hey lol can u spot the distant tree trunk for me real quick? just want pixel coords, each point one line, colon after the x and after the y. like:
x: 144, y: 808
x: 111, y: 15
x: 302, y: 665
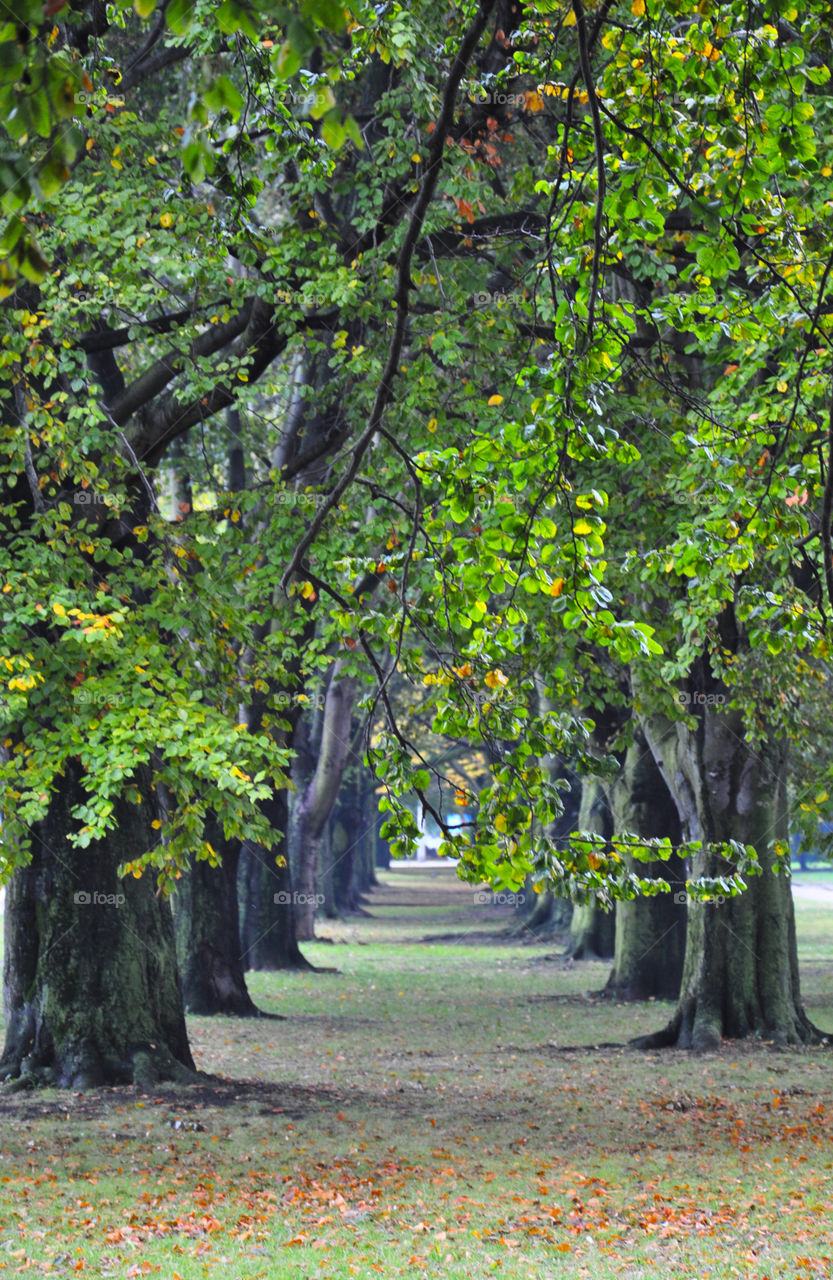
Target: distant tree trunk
x: 329, y: 906
x: 543, y: 914
x: 316, y: 801
x: 740, y: 975
x: 91, y: 987
x: 592, y: 928
x: 650, y: 931
x: 207, y: 930
x: 267, y: 928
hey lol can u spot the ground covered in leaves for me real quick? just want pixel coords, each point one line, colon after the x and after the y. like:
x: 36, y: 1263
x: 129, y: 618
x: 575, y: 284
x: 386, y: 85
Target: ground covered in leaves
x: 437, y: 1108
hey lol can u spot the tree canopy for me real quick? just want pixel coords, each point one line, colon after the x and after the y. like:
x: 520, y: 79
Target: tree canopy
x: 521, y: 317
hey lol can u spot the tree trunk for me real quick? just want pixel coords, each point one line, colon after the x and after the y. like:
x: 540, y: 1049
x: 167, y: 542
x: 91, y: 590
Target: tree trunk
x: 543, y: 914
x: 650, y: 931
x: 91, y: 987
x: 317, y: 798
x: 740, y: 976
x: 267, y: 928
x: 207, y: 930
x: 592, y: 928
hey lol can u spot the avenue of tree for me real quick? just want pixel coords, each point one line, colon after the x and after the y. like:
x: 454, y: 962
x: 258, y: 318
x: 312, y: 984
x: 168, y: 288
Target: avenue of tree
x: 400, y: 407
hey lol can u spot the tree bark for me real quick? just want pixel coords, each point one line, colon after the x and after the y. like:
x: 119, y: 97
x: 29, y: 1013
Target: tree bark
x: 740, y: 975
x: 650, y: 931
x: 592, y: 928
x: 267, y: 928
x: 91, y: 987
x: 543, y: 914
x: 207, y: 931
x: 318, y: 797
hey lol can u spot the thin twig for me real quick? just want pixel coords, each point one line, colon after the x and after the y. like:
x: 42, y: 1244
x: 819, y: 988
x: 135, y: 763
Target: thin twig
x: 598, y: 143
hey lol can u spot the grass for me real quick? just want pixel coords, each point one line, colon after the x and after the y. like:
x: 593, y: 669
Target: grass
x: 438, y: 1109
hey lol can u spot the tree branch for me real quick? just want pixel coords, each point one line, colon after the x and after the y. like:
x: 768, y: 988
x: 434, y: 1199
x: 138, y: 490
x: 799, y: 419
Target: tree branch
x: 384, y: 391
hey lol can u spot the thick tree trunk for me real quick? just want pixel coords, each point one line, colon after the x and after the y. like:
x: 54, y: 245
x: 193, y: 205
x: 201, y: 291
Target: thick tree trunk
x: 267, y: 926
x: 91, y: 988
x: 740, y: 976
x: 207, y: 930
x: 650, y: 931
x: 592, y: 928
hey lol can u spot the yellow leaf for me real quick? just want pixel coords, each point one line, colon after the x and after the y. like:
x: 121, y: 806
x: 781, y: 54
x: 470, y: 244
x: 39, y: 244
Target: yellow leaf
x: 500, y: 822
x: 432, y: 424
x: 494, y: 679
x: 156, y: 824
x: 582, y: 527
x: 638, y: 8
x: 570, y: 19
x: 533, y: 101
x: 60, y: 610
x: 495, y: 400
x: 557, y: 587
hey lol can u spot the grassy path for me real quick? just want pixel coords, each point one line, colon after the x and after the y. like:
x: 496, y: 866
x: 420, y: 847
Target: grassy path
x: 437, y: 1108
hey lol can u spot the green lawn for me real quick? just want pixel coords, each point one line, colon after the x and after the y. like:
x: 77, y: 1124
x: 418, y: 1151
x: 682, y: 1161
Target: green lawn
x: 437, y: 1109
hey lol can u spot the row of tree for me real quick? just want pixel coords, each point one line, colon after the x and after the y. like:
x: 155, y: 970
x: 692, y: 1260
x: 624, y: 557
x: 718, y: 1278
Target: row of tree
x: 453, y: 376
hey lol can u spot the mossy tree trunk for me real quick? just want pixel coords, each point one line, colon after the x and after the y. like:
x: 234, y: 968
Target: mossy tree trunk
x: 592, y: 928
x: 650, y: 931
x: 91, y: 989
x: 207, y: 930
x: 740, y: 975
